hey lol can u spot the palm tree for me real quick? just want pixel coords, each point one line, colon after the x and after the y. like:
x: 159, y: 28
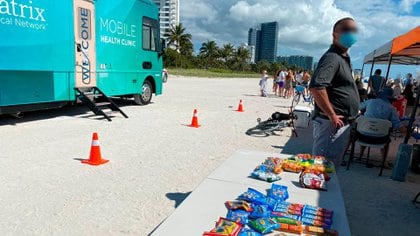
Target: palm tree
x: 241, y: 58
x: 209, y: 51
x: 226, y: 52
x: 180, y: 40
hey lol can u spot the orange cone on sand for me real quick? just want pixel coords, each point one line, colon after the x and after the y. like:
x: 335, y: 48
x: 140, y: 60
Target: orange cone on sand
x: 240, y: 107
x: 95, y: 157
x: 194, y: 122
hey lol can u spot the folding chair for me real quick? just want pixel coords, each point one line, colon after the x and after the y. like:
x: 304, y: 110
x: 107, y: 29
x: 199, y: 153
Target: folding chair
x: 371, y: 133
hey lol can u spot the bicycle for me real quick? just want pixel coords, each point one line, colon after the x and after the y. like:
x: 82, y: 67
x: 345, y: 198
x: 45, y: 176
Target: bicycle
x: 300, y: 93
x: 277, y: 122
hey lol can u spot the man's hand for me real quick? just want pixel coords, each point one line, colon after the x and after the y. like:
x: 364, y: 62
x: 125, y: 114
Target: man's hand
x: 336, y: 121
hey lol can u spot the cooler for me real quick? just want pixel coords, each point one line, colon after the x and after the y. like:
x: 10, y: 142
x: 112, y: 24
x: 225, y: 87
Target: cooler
x: 303, y: 116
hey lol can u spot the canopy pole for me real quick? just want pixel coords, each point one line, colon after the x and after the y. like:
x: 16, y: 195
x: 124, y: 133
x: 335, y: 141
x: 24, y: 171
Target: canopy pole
x: 361, y: 75
x: 373, y: 64
x: 387, y: 71
x: 413, y: 117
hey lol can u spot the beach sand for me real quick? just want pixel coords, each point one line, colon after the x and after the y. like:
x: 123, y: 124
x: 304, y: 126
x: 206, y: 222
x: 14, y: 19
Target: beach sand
x: 155, y: 161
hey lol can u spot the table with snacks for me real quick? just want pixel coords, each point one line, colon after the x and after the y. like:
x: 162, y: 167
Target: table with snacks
x: 236, y: 199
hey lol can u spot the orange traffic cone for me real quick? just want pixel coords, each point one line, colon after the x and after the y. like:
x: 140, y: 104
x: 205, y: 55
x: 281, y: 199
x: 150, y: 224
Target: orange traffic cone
x: 240, y: 107
x: 194, y: 122
x: 95, y: 157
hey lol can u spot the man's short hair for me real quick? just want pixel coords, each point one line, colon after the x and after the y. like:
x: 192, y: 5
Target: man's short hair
x: 339, y: 22
x: 378, y: 71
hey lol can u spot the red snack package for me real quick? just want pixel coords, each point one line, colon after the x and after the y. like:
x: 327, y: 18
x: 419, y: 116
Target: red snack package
x: 225, y: 227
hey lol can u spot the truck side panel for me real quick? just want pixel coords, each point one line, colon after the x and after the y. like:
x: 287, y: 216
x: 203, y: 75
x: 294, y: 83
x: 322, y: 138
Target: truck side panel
x: 120, y: 55
x: 37, y: 52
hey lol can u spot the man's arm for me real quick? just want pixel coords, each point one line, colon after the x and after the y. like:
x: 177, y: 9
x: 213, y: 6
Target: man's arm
x: 323, y: 102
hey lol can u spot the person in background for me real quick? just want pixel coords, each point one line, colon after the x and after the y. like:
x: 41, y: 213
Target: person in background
x: 263, y: 83
x: 408, y: 80
x: 363, y: 95
x: 299, y: 78
x: 305, y: 81
x: 381, y: 108
x: 409, y: 94
x: 375, y: 84
x: 335, y: 93
x: 282, y: 82
x: 276, y: 82
x: 397, y: 88
x: 290, y: 78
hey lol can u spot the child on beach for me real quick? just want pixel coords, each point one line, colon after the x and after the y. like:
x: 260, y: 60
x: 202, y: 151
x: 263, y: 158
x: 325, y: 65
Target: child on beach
x: 263, y: 83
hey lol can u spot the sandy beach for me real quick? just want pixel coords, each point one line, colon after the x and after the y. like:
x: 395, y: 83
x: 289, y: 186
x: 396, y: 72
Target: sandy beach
x: 156, y: 161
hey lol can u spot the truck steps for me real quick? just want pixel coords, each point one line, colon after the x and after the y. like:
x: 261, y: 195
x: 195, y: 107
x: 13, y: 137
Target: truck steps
x: 98, y: 102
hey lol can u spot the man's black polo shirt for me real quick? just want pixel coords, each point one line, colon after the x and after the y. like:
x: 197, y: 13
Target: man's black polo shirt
x: 334, y: 73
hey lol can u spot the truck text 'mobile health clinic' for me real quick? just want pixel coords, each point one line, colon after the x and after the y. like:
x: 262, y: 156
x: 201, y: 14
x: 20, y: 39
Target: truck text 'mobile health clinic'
x: 50, y: 51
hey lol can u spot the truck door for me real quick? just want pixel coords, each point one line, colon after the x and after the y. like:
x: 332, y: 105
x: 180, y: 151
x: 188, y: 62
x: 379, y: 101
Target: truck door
x: 85, y: 44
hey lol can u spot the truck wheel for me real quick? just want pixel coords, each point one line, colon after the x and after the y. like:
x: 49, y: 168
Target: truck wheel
x: 146, y: 96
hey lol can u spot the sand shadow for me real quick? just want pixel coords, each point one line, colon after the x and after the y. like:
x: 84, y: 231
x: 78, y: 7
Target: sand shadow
x: 77, y: 111
x: 177, y: 197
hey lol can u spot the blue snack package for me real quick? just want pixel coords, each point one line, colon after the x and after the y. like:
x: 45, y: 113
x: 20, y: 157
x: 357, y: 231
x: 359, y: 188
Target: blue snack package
x: 279, y: 192
x: 271, y: 202
x: 281, y: 207
x: 264, y: 225
x: 266, y: 176
x: 260, y: 211
x: 240, y: 216
x: 248, y: 232
x: 252, y: 196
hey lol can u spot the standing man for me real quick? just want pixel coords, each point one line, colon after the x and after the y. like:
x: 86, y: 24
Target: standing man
x: 376, y: 83
x: 335, y: 93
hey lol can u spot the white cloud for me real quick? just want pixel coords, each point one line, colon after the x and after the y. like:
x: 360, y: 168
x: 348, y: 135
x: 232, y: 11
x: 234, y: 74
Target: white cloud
x: 304, y: 25
x: 407, y: 5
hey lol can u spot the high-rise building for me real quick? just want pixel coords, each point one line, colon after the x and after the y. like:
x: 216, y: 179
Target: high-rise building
x: 268, y: 42
x: 253, y: 41
x: 304, y: 62
x: 168, y: 14
x: 265, y: 41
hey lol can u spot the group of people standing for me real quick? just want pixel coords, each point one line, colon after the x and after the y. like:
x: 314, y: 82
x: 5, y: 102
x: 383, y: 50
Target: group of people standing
x: 284, y: 82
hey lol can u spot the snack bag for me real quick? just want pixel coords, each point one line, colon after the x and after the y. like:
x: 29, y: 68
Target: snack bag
x: 260, y: 211
x: 273, y: 164
x: 279, y: 192
x: 263, y: 225
x: 248, y: 232
x: 271, y: 202
x: 252, y: 196
x: 262, y: 174
x: 238, y: 205
x: 313, y: 181
x: 318, y: 211
x: 292, y: 166
x: 313, y: 230
x: 240, y: 216
x: 304, y: 157
x: 285, y: 220
x: 317, y: 223
x: 294, y: 229
x: 225, y: 227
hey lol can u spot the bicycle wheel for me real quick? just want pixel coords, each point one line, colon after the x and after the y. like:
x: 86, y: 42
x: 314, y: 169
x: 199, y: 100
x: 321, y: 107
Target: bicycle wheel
x: 264, y: 128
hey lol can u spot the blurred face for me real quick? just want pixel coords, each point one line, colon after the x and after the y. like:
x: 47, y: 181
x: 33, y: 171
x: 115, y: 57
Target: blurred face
x: 345, y: 35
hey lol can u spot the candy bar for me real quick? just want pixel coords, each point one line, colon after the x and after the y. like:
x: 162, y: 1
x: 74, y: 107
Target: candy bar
x: 314, y: 230
x: 294, y: 229
x: 263, y: 225
x: 284, y: 220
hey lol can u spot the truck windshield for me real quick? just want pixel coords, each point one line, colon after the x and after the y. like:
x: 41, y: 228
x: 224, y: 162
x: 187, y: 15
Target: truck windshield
x: 150, y: 34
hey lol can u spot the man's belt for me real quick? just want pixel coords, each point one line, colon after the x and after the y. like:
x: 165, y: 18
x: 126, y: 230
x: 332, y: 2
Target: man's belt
x: 346, y: 120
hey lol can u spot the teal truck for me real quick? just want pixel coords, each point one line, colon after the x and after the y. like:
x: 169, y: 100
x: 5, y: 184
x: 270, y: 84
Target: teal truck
x: 57, y: 52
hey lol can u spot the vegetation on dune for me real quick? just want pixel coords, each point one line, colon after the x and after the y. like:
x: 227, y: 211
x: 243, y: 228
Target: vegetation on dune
x: 212, y: 61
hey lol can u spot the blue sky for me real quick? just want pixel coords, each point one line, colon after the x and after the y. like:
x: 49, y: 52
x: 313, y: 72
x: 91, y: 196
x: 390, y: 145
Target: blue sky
x: 304, y: 25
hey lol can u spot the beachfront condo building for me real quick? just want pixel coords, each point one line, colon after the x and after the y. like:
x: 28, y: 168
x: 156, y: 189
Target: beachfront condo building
x: 264, y: 39
x: 168, y: 14
x: 304, y: 62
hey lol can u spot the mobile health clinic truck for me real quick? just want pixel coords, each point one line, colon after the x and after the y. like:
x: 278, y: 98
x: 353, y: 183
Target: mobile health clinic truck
x: 56, y: 52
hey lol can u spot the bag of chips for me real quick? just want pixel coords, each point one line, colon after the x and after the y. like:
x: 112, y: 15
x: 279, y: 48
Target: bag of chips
x: 292, y: 166
x: 225, y: 227
x: 240, y: 216
x: 263, y: 225
x: 260, y: 211
x: 313, y: 181
x: 279, y: 192
x: 238, y: 205
x: 273, y: 164
x: 253, y: 196
x: 248, y: 232
x: 264, y: 175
